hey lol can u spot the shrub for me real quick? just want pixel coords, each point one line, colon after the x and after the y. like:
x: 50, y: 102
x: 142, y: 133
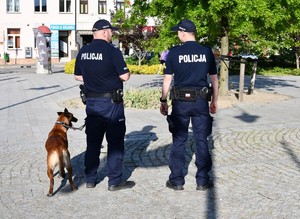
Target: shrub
x: 134, y: 69
x: 143, y: 69
x: 142, y: 98
x: 69, y: 67
x: 277, y: 71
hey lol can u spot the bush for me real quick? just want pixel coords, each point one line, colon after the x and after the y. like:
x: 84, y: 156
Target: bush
x: 131, y: 60
x: 277, y: 71
x: 69, y: 67
x: 143, y: 69
x: 134, y: 69
x: 151, y: 59
x: 142, y: 98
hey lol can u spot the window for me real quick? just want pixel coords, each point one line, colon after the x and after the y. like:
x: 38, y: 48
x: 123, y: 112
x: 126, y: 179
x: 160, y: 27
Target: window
x: 102, y: 9
x: 13, y: 38
x: 13, y: 5
x: 120, y: 5
x: 64, y: 5
x: 83, y: 6
x: 40, y: 5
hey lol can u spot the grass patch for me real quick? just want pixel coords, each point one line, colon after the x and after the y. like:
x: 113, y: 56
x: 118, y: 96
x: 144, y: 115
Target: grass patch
x: 142, y: 98
x: 277, y: 71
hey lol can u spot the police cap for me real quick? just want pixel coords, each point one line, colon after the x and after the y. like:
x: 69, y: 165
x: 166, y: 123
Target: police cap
x: 185, y: 25
x: 103, y: 24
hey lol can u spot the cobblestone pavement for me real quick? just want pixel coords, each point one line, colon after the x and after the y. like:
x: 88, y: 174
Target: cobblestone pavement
x: 255, y: 151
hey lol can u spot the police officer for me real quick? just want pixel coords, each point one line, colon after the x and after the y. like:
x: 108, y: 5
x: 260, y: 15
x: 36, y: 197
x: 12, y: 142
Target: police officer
x: 190, y: 63
x: 102, y: 68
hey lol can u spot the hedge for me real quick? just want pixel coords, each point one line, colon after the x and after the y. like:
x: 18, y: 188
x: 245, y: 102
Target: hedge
x: 134, y: 69
x: 69, y: 67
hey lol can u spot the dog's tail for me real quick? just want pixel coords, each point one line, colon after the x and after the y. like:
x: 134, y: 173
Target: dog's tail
x: 64, y: 161
x: 61, y: 167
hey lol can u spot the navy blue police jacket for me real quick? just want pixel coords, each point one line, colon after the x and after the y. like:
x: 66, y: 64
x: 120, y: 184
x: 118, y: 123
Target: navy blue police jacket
x: 100, y: 64
x: 190, y: 63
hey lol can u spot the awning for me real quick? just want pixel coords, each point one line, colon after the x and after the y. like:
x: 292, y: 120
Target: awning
x: 84, y: 32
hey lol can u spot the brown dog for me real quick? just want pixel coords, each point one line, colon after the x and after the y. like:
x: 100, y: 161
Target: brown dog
x: 57, y: 148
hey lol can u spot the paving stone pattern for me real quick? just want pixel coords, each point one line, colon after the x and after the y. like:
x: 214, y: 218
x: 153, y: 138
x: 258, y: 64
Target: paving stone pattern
x: 255, y: 151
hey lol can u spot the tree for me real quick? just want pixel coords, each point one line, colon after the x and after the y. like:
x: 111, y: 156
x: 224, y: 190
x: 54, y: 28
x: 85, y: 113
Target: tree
x: 291, y: 37
x: 132, y: 31
x: 257, y: 26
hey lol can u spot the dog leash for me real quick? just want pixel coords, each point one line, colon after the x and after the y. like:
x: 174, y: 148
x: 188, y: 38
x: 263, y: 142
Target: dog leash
x: 70, y: 127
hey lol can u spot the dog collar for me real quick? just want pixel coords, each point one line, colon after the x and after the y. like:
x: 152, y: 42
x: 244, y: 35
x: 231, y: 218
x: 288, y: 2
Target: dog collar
x: 63, y: 124
x: 71, y: 127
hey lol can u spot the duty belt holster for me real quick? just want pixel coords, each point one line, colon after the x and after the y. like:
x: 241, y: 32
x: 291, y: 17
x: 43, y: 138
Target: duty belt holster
x: 117, y: 96
x: 82, y: 94
x: 188, y: 94
x: 210, y: 92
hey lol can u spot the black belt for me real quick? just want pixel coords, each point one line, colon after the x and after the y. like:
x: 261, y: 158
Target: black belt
x: 92, y: 94
x: 188, y: 94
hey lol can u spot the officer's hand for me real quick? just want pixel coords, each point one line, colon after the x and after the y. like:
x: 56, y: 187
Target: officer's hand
x: 213, y: 107
x: 164, y: 109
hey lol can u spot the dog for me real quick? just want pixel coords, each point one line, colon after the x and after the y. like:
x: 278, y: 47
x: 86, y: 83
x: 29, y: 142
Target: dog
x: 57, y: 149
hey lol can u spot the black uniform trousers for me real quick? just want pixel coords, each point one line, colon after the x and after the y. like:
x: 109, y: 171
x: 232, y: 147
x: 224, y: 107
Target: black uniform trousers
x: 198, y: 113
x: 104, y: 117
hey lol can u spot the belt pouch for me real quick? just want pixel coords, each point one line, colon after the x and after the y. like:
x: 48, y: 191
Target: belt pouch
x: 210, y: 92
x: 82, y: 94
x: 185, y: 94
x: 117, y: 96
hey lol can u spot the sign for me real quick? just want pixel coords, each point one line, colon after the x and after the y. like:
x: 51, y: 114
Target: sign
x: 62, y: 27
x: 54, y: 43
x: 42, y: 46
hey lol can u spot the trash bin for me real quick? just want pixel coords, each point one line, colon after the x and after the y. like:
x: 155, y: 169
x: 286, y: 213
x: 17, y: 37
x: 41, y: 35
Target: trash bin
x: 6, y: 57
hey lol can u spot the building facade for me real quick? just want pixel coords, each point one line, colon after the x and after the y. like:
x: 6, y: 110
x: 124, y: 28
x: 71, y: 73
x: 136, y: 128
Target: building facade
x: 70, y: 23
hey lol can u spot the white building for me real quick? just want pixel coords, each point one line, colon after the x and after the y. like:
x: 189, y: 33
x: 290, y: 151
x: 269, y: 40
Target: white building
x: 70, y: 23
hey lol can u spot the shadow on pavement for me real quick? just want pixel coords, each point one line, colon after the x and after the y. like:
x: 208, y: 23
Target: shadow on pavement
x: 262, y: 82
x: 290, y: 152
x: 136, y: 155
x: 246, y: 117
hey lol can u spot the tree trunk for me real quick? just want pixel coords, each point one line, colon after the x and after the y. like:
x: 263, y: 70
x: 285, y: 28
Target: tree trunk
x: 252, y: 81
x: 140, y: 56
x: 223, y: 89
x: 297, y: 53
x: 140, y: 60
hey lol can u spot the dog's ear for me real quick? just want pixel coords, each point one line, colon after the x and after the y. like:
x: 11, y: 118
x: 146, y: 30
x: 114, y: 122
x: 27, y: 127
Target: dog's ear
x: 66, y: 110
x: 59, y: 113
x: 74, y: 119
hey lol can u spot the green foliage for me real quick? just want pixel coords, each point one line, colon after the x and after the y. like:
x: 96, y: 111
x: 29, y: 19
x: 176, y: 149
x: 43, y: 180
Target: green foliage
x: 276, y: 71
x: 131, y: 32
x: 258, y: 26
x: 146, y: 98
x: 132, y: 60
x: 69, y: 67
x: 154, y: 61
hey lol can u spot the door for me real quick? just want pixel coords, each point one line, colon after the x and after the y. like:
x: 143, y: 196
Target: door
x: 63, y: 44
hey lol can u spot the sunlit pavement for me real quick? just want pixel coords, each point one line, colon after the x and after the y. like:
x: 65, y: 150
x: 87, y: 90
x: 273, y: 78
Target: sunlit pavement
x: 255, y: 150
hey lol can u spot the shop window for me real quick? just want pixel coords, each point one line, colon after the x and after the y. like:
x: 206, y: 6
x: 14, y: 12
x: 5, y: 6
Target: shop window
x: 102, y: 9
x: 64, y: 5
x: 13, y: 38
x: 83, y: 6
x: 13, y: 5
